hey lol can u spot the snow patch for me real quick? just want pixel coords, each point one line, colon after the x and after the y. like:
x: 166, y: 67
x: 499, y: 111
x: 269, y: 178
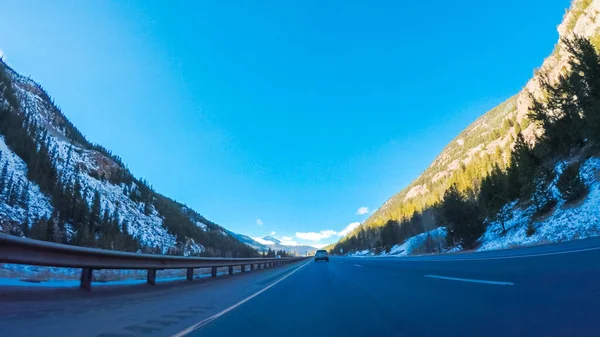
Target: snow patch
x: 263, y: 241
x: 568, y: 221
x: 412, y: 243
x: 39, y: 204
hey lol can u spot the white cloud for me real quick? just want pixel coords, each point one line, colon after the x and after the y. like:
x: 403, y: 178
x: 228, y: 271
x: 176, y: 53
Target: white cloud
x: 259, y: 222
x: 362, y: 210
x: 287, y: 238
x: 263, y: 241
x: 318, y: 236
x: 273, y: 233
x: 348, y: 229
x: 314, y: 236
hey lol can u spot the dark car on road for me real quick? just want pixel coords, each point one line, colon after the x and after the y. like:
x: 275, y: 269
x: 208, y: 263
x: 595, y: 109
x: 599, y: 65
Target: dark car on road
x: 321, y: 255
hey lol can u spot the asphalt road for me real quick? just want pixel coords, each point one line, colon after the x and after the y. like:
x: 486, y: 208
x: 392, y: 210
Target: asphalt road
x: 549, y: 290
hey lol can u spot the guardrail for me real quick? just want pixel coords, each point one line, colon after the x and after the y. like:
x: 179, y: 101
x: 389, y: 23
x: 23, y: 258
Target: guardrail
x: 19, y: 250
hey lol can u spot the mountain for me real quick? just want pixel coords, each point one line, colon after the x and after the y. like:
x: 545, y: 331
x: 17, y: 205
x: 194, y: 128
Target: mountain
x: 270, y: 242
x: 275, y: 244
x: 57, y: 186
x: 489, y: 142
x: 299, y: 250
x: 271, y: 239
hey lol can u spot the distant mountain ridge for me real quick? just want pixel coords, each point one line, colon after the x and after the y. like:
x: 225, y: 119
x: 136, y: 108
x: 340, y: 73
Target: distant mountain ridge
x: 276, y: 244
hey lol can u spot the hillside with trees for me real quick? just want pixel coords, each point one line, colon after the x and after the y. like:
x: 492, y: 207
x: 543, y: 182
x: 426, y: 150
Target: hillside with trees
x: 522, y: 163
x: 57, y: 186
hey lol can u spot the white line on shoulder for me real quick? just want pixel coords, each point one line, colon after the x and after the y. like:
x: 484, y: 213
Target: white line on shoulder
x: 451, y: 258
x: 217, y: 315
x: 499, y: 283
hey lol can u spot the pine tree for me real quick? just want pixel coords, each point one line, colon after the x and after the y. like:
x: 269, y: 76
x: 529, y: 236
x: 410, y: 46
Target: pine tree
x: 541, y: 195
x: 38, y: 230
x: 69, y: 153
x: 3, y: 177
x: 518, y: 128
x: 560, y: 115
x: 570, y: 184
x: 85, y: 233
x: 24, y: 197
x: 50, y: 229
x: 498, y: 155
x: 61, y: 230
x: 513, y: 185
x: 462, y: 218
x: 131, y: 244
x: 390, y: 235
x: 26, y: 221
x: 494, y: 194
x: 95, y: 223
x: 524, y: 164
x: 585, y: 81
x: 106, y: 221
x: 11, y: 192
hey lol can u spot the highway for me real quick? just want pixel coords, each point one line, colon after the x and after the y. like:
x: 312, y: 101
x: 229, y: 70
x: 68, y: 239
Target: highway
x: 551, y: 290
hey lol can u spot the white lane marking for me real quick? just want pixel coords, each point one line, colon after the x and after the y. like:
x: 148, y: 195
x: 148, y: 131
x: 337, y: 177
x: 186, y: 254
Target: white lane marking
x: 215, y: 316
x: 531, y: 255
x: 499, y: 283
x: 450, y: 259
x: 357, y: 265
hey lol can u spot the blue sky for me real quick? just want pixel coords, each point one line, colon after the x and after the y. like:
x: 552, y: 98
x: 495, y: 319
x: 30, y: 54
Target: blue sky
x: 278, y: 116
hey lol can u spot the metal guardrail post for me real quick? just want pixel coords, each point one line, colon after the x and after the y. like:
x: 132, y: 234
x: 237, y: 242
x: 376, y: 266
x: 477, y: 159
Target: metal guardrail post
x: 230, y: 270
x: 151, y: 279
x: 243, y: 268
x: 86, y: 279
x: 213, y: 271
x: 190, y: 274
x: 251, y: 266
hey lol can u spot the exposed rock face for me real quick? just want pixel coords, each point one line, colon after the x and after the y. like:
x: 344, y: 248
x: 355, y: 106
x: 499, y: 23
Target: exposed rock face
x: 582, y: 19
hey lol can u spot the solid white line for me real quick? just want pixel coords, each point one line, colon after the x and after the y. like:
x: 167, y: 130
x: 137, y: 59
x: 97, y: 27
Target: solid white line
x: 450, y: 259
x: 499, y: 283
x: 215, y: 316
x: 357, y: 265
x: 530, y: 255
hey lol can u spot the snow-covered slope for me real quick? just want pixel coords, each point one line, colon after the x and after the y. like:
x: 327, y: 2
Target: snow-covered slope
x: 577, y: 220
x: 70, y: 173
x: 16, y: 174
